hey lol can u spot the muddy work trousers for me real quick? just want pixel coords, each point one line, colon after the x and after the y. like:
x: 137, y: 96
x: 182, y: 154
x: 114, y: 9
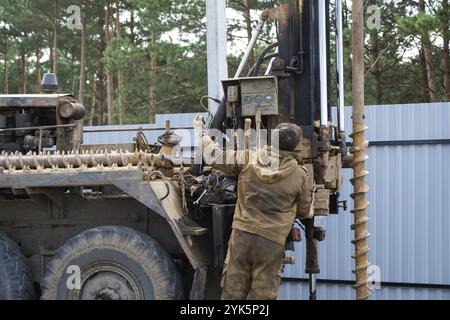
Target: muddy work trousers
x: 253, y: 268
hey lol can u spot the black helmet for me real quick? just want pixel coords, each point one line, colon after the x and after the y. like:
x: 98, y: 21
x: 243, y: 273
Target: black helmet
x: 289, y: 135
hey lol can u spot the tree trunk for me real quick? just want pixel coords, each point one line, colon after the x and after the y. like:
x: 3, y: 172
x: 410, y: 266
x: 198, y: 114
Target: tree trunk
x: 72, y: 65
x: 38, y: 69
x: 109, y: 95
x: 375, y: 68
x: 55, y: 39
x: 153, y: 76
x: 5, y: 71
x: 101, y: 93
x: 119, y: 73
x: 109, y: 75
x: 446, y: 52
x: 425, y: 91
x: 50, y: 45
x: 23, y: 60
x: 132, y: 33
x: 101, y: 73
x: 91, y: 113
x: 82, y: 61
x: 248, y: 26
x: 374, y: 53
x: 428, y: 57
x: 431, y: 85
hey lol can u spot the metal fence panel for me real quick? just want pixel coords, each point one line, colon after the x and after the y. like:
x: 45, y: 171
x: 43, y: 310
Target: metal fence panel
x: 409, y: 208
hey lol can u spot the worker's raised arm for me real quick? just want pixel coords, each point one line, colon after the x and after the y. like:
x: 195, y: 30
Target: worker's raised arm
x: 305, y: 208
x: 231, y: 162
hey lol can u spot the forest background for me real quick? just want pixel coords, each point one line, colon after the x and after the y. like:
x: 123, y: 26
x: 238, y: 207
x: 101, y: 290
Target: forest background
x: 128, y: 60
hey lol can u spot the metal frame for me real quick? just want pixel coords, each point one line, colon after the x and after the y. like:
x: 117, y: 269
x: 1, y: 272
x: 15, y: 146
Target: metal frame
x: 130, y: 181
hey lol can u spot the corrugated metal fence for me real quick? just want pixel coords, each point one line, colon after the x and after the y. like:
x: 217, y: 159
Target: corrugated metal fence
x: 409, y: 206
x: 409, y: 210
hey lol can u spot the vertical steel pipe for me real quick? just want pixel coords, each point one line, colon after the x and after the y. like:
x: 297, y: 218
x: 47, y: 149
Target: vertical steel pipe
x: 323, y: 63
x: 340, y: 66
x: 251, y: 45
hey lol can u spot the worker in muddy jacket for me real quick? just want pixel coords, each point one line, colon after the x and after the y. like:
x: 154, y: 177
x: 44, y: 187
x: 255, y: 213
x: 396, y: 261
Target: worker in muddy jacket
x: 269, y: 199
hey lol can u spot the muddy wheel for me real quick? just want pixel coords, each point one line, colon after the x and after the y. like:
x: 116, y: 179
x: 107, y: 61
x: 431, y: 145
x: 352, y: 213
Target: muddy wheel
x: 111, y: 263
x: 15, y: 274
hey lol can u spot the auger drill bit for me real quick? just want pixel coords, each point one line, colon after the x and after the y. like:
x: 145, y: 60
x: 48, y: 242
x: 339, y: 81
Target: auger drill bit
x: 358, y: 148
x: 88, y: 159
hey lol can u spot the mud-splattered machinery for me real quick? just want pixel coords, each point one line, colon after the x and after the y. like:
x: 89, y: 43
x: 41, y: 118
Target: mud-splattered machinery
x: 296, y: 87
x: 42, y: 121
x: 67, y: 204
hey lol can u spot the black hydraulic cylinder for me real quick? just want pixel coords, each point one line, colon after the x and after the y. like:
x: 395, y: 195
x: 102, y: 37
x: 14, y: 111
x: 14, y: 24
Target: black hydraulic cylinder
x: 219, y: 117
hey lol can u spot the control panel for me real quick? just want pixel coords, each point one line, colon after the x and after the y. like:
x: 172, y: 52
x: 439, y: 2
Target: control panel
x: 246, y: 96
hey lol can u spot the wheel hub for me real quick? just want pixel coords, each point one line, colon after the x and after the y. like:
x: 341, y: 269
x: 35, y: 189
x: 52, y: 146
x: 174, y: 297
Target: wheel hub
x: 107, y: 281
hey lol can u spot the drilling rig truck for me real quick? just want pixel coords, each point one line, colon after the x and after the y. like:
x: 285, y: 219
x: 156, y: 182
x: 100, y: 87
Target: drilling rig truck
x: 129, y: 222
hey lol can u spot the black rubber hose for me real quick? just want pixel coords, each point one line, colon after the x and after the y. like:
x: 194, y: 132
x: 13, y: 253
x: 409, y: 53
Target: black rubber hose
x: 255, y: 69
x: 262, y: 57
x: 219, y: 117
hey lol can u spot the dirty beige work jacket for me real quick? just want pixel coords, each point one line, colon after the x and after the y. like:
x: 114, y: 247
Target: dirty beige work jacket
x: 268, y: 199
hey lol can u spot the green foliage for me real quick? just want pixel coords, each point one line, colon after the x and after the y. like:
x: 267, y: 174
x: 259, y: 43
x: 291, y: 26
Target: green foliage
x: 122, y: 54
x: 417, y: 24
x: 178, y: 47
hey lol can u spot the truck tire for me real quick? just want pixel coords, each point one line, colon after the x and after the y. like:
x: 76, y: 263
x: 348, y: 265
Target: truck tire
x: 15, y: 274
x: 111, y: 263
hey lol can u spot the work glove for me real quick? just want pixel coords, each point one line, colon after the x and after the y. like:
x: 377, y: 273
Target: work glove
x: 199, y: 126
